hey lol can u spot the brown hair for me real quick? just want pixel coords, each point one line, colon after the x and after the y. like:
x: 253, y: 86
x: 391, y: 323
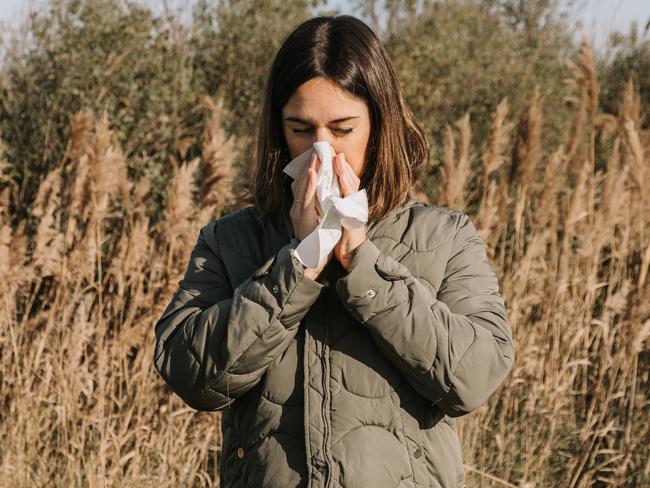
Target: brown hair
x: 345, y: 50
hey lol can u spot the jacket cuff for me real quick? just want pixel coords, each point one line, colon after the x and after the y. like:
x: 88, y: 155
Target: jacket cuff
x: 374, y: 283
x: 284, y: 277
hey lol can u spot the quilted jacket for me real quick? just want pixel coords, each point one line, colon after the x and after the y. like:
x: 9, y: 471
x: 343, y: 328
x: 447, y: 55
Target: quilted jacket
x: 354, y: 380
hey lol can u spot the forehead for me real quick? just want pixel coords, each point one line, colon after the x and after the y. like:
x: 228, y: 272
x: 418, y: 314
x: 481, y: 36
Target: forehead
x: 320, y: 97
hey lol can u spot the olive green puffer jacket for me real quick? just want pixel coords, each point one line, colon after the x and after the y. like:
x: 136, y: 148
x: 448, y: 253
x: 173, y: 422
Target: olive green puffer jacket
x: 351, y: 381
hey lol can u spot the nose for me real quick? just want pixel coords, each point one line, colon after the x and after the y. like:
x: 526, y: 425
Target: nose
x: 324, y: 135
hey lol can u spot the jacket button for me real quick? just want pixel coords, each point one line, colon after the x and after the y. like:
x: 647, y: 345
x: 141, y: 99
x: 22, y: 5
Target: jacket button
x: 418, y: 452
x: 371, y: 293
x: 276, y: 288
x: 240, y: 452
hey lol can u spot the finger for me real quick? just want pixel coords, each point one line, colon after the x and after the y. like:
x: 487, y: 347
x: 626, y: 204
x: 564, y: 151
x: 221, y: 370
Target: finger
x: 295, y: 184
x: 344, y: 167
x: 345, y: 185
x: 347, y: 174
x: 310, y: 190
x: 315, y: 167
x: 314, y: 189
x: 303, y: 182
x: 334, y: 156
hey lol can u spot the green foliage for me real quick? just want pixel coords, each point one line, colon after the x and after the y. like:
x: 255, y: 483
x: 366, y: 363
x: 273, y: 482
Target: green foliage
x: 456, y: 57
x: 148, y: 72
x: 103, y: 55
x: 630, y: 60
x: 235, y: 44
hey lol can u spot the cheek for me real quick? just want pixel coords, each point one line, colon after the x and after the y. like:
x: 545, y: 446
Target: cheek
x: 293, y: 144
x: 355, y: 154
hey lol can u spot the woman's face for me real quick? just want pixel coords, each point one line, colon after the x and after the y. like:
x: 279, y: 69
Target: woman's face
x: 320, y: 110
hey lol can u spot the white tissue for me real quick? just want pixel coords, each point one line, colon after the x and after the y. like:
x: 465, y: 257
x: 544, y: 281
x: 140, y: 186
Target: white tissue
x: 350, y: 212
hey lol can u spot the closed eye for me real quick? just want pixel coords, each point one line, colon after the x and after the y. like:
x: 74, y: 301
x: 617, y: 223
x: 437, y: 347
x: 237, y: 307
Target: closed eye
x: 338, y: 131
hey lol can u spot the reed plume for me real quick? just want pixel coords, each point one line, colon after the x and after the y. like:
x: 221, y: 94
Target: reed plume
x: 218, y: 150
x: 455, y: 169
x: 566, y: 228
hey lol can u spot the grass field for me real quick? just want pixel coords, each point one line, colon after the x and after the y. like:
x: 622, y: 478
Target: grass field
x: 567, y: 230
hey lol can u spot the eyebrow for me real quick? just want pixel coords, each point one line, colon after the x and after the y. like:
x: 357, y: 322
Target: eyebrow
x: 302, y: 121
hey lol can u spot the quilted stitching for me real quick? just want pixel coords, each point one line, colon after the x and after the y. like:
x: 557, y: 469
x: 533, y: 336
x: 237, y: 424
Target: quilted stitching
x: 370, y: 391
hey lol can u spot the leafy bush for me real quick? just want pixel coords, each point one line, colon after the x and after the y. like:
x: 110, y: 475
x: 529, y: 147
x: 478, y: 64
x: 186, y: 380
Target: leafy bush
x: 457, y: 57
x: 629, y: 57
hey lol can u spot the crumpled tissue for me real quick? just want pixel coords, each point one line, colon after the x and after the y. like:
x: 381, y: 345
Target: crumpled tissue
x: 350, y: 212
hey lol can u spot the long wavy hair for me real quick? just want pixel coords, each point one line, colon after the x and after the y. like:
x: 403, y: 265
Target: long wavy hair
x: 345, y: 50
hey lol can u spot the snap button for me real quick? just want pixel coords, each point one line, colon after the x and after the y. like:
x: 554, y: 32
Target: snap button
x: 264, y: 269
x: 418, y: 452
x: 371, y: 293
x: 240, y: 452
x: 276, y: 288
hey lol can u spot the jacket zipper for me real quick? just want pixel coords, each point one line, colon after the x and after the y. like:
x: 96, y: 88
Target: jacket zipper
x: 326, y: 392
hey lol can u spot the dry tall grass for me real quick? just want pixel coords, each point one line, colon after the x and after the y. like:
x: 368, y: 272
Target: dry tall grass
x: 567, y: 230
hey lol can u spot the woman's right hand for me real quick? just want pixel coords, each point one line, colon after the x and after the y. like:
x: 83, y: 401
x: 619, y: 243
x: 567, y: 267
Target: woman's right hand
x: 305, y: 210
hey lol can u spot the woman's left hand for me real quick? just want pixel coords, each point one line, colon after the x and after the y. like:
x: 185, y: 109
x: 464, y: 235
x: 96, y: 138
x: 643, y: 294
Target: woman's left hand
x: 350, y: 239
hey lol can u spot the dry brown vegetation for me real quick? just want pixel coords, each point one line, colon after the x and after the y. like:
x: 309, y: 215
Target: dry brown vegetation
x: 567, y: 230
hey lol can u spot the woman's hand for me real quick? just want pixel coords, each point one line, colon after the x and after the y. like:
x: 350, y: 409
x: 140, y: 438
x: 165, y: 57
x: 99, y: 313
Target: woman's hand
x: 350, y: 239
x: 305, y: 211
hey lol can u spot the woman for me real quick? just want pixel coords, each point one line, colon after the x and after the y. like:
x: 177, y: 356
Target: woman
x: 350, y: 374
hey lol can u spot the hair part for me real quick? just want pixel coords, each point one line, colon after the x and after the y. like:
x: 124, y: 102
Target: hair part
x: 346, y: 51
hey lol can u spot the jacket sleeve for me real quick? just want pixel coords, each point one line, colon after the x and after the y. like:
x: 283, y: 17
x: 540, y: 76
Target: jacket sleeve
x: 214, y: 343
x: 455, y: 348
